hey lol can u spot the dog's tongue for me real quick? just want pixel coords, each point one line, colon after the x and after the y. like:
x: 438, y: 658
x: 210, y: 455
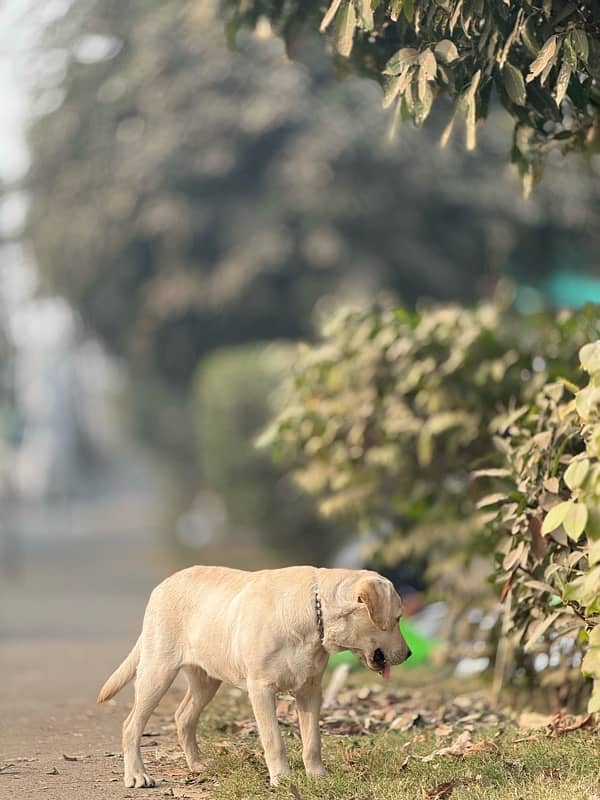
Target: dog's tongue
x: 385, y: 672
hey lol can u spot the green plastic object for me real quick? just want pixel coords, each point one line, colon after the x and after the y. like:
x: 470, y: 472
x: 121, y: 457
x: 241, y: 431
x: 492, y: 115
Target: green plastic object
x: 421, y: 647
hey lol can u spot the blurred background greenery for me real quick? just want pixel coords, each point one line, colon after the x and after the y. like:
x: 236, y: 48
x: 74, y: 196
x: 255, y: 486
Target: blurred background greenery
x: 186, y: 199
x: 189, y: 212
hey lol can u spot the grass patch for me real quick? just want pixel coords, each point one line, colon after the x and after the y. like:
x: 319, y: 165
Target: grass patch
x: 386, y: 765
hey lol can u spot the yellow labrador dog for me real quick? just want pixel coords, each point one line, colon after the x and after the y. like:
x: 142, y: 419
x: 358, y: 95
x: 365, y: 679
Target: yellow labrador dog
x: 265, y: 632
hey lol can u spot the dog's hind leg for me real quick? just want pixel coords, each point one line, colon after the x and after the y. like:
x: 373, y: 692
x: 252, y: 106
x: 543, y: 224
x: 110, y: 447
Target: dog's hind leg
x: 150, y: 685
x: 201, y: 690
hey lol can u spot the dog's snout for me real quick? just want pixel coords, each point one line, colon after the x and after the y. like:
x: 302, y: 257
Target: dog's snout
x: 408, y: 652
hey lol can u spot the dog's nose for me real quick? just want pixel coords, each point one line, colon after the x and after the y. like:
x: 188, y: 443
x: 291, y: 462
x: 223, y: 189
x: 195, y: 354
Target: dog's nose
x: 408, y: 652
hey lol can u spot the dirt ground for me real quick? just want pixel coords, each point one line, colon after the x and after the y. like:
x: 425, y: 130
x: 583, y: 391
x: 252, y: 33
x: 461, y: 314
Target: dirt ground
x: 71, y: 605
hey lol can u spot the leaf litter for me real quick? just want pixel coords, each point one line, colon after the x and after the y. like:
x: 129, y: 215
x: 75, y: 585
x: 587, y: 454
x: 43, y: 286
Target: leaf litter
x: 373, y: 709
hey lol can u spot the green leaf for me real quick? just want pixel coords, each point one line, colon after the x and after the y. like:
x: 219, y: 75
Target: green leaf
x: 580, y: 43
x: 405, y: 57
x: 529, y: 35
x: 569, y: 54
x: 446, y: 51
x: 590, y: 666
x: 562, y: 83
x: 329, y: 15
x: 594, y: 702
x: 537, y: 630
x: 366, y: 19
x: 585, y: 589
x: 428, y: 64
x: 345, y: 27
x: 514, y: 84
x: 493, y: 472
x: 556, y: 516
x: 395, y: 86
x: 588, y: 401
x: 589, y: 357
x: 576, y: 473
x: 396, y: 9
x: 575, y: 520
x: 513, y: 557
x: 491, y: 499
x: 545, y: 59
x: 594, y: 552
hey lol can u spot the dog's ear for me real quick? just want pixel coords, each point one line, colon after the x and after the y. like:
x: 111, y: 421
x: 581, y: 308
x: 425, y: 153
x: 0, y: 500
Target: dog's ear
x: 378, y: 596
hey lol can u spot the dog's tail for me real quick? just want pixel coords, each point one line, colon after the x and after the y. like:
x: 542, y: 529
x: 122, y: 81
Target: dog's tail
x: 122, y: 675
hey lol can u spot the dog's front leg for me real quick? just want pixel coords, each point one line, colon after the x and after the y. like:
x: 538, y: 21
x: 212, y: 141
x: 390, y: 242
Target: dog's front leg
x: 262, y: 698
x: 308, y: 702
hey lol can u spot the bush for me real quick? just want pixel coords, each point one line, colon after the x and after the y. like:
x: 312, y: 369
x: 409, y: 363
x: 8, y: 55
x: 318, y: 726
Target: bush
x: 231, y: 403
x: 387, y: 419
x: 547, y: 525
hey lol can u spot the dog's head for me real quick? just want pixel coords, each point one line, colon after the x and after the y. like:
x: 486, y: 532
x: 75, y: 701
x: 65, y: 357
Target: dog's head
x: 369, y: 625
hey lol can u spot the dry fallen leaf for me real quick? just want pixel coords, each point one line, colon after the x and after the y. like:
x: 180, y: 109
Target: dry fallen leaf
x: 480, y: 747
x: 295, y: 792
x: 463, y: 746
x: 442, y: 791
x: 531, y: 738
x: 565, y: 723
x: 405, y: 721
x: 457, y: 748
x: 551, y: 772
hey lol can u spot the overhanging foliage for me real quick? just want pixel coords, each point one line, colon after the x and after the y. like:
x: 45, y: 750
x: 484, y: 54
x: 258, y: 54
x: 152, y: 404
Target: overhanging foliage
x: 541, y: 58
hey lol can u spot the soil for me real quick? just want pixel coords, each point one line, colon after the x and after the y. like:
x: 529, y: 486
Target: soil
x: 72, y: 598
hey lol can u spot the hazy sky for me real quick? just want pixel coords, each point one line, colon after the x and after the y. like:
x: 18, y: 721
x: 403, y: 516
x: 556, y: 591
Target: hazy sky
x: 16, y: 31
x: 21, y: 25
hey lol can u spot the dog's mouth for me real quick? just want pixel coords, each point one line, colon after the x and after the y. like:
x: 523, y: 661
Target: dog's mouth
x: 378, y: 663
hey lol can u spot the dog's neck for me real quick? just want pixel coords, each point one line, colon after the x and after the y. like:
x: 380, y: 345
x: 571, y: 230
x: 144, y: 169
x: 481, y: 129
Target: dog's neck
x: 330, y: 605
x: 319, y: 614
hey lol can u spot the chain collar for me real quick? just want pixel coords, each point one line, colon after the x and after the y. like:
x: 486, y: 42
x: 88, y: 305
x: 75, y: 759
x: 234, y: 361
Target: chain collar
x: 319, y: 615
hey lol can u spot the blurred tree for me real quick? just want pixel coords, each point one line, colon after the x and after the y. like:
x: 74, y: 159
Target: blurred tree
x: 184, y: 197
x: 233, y: 402
x: 541, y: 57
x: 7, y: 399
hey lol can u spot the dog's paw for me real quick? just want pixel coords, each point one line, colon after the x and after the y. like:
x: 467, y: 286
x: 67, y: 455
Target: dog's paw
x: 280, y: 778
x: 317, y: 771
x: 197, y: 766
x: 139, y: 780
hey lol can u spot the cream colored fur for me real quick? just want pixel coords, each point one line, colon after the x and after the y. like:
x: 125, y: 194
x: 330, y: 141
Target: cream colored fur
x: 257, y: 631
